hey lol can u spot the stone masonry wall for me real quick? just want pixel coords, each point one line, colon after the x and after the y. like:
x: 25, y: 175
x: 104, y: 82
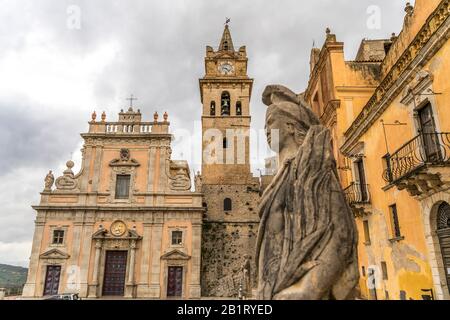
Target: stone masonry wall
x: 227, y: 237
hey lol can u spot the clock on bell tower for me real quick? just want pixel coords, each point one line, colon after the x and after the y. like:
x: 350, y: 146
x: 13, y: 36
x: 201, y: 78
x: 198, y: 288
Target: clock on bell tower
x: 225, y: 92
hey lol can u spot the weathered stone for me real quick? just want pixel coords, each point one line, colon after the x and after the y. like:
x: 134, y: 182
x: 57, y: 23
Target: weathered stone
x: 307, y: 239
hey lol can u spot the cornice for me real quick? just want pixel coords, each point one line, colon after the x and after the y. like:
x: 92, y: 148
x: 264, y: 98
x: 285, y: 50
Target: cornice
x: 118, y: 208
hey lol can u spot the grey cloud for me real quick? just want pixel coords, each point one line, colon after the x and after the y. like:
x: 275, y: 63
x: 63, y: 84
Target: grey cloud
x: 161, y: 46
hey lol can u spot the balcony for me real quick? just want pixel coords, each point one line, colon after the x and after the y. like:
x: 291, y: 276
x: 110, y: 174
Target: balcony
x: 358, y: 197
x: 421, y: 166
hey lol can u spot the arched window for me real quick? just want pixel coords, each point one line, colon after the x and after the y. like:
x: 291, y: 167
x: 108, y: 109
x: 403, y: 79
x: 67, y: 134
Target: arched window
x: 227, y: 204
x: 238, y: 108
x: 225, y: 143
x: 443, y: 217
x: 225, y: 104
x: 225, y: 45
x: 212, y: 109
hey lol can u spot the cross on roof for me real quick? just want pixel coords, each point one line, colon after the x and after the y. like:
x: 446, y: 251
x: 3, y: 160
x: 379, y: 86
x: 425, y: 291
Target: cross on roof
x: 131, y: 98
x: 227, y: 21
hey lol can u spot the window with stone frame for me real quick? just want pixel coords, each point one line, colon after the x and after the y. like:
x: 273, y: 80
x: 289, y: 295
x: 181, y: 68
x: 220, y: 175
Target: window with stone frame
x: 123, y: 186
x: 58, y: 236
x: 384, y: 270
x: 177, y: 238
x: 366, y: 232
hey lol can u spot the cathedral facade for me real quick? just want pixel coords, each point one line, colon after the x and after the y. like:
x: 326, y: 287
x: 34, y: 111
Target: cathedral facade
x: 126, y: 225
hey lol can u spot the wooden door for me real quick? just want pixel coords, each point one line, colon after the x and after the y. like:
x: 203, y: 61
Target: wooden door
x: 175, y: 282
x: 52, y: 277
x: 115, y: 271
x: 430, y: 137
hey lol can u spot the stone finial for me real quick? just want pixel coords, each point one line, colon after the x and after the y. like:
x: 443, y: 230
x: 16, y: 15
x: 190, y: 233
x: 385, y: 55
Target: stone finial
x: 94, y: 116
x: 409, y: 9
x: 103, y: 116
x: 166, y: 116
x: 69, y: 164
x: 155, y: 116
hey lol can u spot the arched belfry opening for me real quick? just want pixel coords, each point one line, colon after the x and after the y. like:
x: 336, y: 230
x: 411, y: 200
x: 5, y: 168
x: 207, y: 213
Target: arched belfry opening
x: 239, y: 108
x: 225, y: 103
x: 212, y: 108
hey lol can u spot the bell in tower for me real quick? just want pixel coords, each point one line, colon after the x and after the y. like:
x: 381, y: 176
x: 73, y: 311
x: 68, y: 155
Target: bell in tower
x: 225, y: 104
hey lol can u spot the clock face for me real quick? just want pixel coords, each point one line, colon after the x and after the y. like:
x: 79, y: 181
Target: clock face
x: 226, y: 68
x: 118, y: 228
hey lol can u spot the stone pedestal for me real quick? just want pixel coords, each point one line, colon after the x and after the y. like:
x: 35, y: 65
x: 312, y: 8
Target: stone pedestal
x: 155, y: 291
x: 93, y: 291
x: 28, y: 290
x: 130, y: 291
x: 195, y: 292
x: 142, y: 291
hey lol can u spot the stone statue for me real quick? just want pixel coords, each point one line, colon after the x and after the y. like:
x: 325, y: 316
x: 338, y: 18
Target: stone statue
x: 198, y: 182
x: 307, y: 239
x: 247, y: 276
x: 49, y: 180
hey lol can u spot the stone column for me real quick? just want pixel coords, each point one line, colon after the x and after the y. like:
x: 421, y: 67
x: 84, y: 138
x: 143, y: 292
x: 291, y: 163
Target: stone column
x: 155, y: 285
x: 29, y: 289
x: 130, y: 283
x: 194, y: 286
x: 93, y: 287
x: 142, y: 287
x: 85, y: 257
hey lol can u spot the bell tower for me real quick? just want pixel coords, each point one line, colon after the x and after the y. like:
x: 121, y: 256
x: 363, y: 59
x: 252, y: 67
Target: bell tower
x: 230, y: 192
x: 225, y: 92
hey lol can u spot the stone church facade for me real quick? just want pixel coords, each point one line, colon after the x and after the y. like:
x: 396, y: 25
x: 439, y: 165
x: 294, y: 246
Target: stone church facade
x: 126, y: 225
x: 230, y: 191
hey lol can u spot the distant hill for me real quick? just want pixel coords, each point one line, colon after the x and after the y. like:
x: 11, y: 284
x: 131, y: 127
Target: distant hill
x: 12, y: 276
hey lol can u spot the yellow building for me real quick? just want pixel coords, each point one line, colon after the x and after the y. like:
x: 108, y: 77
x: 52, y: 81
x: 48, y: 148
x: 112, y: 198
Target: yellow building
x: 386, y: 112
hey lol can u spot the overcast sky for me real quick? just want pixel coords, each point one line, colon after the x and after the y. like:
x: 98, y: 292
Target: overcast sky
x: 54, y: 74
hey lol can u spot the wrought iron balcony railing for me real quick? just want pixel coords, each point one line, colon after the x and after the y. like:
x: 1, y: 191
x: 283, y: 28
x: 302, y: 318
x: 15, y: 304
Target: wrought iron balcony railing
x: 424, y: 149
x: 357, y: 193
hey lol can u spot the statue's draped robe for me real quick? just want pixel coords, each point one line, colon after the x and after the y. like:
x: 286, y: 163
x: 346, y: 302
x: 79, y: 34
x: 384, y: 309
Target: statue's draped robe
x: 302, y: 212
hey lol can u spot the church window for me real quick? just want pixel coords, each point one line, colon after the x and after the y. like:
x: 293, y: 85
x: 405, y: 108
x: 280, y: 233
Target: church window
x: 225, y: 45
x: 225, y: 143
x: 238, y: 108
x: 58, y: 237
x: 225, y: 104
x: 177, y: 237
x: 212, y: 109
x: 123, y: 186
x: 227, y: 204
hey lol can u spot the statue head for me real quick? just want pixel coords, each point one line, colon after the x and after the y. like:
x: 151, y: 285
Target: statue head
x: 289, y: 114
